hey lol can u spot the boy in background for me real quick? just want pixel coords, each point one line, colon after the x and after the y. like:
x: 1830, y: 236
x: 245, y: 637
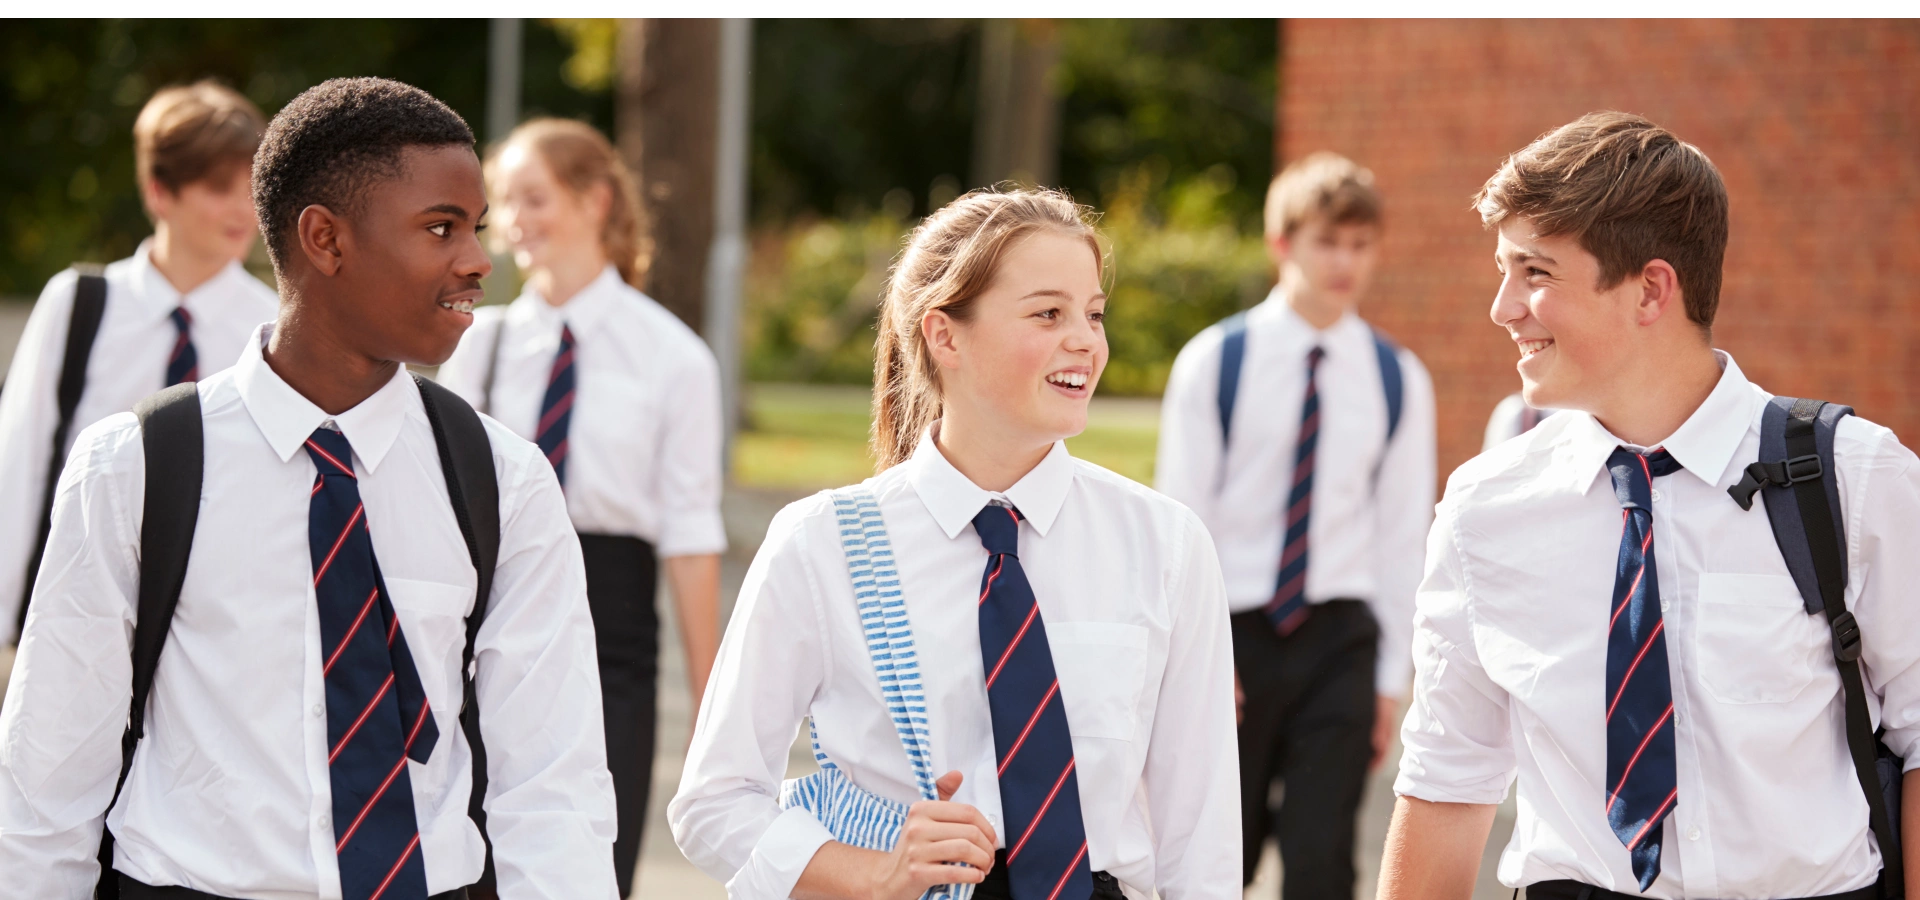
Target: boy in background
x: 1305, y: 441
x: 178, y: 309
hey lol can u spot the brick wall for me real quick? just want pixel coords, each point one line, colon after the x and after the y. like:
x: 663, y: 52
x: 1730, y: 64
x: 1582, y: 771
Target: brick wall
x: 1814, y: 125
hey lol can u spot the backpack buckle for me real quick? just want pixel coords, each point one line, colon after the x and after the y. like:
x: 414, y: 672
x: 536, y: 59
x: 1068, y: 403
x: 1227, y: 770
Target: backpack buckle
x: 1846, y: 638
x: 1780, y: 474
x: 1802, y: 468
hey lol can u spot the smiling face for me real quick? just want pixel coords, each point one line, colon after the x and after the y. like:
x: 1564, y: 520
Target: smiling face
x: 1573, y: 336
x: 542, y: 219
x: 1033, y: 344
x: 212, y: 218
x: 411, y: 261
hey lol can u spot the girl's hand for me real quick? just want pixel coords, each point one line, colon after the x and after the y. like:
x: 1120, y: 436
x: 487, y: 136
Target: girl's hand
x: 938, y: 836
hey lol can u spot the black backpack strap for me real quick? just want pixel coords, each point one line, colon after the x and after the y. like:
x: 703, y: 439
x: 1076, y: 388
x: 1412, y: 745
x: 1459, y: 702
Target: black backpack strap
x: 89, y: 304
x: 1796, y: 469
x: 1233, y: 357
x: 1392, y: 383
x: 473, y: 487
x: 175, y: 453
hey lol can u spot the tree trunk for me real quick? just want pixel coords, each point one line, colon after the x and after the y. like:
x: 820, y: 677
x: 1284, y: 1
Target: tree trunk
x: 666, y: 116
x: 1017, y: 125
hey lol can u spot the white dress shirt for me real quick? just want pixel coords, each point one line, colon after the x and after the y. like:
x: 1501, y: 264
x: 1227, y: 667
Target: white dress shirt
x: 1364, y: 536
x: 129, y: 362
x: 643, y: 445
x: 1511, y: 650
x: 1130, y: 592
x: 230, y: 792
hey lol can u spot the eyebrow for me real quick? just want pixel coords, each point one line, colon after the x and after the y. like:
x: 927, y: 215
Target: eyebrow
x: 1051, y: 292
x: 450, y: 209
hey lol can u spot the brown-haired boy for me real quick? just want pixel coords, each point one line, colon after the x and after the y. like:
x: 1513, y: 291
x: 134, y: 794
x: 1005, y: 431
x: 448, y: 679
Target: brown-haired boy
x: 1305, y: 442
x: 1601, y: 620
x: 177, y: 310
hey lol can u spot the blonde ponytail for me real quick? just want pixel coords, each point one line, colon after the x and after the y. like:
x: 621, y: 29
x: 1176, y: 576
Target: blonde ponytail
x: 949, y: 260
x: 580, y: 157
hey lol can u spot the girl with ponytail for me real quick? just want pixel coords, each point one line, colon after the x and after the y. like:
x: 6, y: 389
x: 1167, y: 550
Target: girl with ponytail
x: 1015, y: 664
x: 624, y: 400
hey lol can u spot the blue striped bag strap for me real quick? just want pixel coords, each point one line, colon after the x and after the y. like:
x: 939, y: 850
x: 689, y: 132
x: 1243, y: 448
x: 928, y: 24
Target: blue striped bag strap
x: 883, y: 617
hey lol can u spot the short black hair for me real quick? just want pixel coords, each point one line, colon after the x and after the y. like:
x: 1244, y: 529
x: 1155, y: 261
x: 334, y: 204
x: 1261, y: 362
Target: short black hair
x: 334, y: 141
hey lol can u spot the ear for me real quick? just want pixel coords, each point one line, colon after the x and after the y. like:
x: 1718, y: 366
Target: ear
x: 600, y: 202
x: 321, y: 235
x: 1279, y: 249
x: 942, y: 335
x: 1659, y: 293
x: 157, y: 199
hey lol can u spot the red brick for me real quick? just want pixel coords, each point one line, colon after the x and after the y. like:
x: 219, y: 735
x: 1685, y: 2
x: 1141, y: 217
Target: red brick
x: 1813, y: 125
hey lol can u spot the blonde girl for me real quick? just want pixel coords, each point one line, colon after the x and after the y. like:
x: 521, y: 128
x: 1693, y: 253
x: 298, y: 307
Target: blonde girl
x: 1055, y: 636
x: 624, y: 400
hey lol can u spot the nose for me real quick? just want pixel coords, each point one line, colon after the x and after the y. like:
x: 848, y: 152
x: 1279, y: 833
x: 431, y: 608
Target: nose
x: 474, y: 261
x: 1082, y: 337
x: 1509, y: 302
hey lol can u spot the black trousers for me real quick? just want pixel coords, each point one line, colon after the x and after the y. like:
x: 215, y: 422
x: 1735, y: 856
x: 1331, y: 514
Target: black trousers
x: 1308, y: 722
x: 998, y: 887
x: 622, y: 574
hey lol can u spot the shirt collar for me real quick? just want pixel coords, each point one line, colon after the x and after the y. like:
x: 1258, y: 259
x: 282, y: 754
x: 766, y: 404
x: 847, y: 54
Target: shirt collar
x: 158, y: 294
x: 954, y: 499
x: 585, y: 310
x: 1300, y: 334
x: 1704, y: 444
x: 286, y: 418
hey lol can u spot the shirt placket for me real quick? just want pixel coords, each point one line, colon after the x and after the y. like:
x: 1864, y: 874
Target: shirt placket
x: 1690, y: 854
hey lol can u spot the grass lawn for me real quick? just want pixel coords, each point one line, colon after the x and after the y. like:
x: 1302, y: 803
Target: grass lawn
x: 815, y: 436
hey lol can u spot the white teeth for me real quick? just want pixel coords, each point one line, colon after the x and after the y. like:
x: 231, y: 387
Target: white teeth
x: 1068, y: 379
x: 1529, y: 348
x: 465, y: 306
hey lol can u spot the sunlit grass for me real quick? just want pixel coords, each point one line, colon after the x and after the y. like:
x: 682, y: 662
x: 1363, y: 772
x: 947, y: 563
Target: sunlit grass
x: 814, y: 436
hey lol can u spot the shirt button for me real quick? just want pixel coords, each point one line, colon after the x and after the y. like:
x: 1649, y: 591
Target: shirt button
x: 1693, y: 834
x: 319, y: 710
x: 1656, y: 494
x: 326, y: 821
x: 1666, y: 605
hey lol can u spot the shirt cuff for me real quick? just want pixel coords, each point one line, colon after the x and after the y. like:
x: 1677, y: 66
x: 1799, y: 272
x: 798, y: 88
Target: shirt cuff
x: 692, y: 534
x: 784, y: 851
x: 1489, y: 792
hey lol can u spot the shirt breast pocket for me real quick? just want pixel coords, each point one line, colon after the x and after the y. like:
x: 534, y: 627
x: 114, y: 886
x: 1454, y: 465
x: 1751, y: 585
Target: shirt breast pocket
x: 433, y: 616
x: 1755, y: 643
x: 1102, y: 667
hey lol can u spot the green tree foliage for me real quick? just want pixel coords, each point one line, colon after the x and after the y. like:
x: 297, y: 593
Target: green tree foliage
x: 70, y: 89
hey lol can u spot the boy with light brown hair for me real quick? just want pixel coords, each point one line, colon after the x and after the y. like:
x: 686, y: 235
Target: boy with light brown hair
x: 1304, y: 439
x: 178, y: 309
x: 1603, y: 622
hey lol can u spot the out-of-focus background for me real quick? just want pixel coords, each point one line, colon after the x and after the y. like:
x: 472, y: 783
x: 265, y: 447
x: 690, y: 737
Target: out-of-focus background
x: 783, y: 161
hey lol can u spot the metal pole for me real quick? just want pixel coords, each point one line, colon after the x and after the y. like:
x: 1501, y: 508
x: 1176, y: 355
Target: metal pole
x: 503, y: 112
x: 727, y: 257
x: 503, y: 78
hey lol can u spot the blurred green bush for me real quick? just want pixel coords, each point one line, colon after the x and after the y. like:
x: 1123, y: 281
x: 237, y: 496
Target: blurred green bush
x: 1179, y: 263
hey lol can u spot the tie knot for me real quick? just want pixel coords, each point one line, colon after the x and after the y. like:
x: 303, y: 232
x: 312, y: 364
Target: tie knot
x: 999, y: 529
x: 1314, y: 357
x: 1633, y: 475
x: 182, y: 319
x: 331, y: 453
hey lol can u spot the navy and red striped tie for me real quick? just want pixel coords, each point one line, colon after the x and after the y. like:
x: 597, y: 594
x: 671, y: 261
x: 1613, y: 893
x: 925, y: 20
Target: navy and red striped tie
x: 1288, y: 608
x: 1642, y: 786
x: 377, y: 712
x: 556, y: 408
x: 1039, y: 792
x: 183, y: 364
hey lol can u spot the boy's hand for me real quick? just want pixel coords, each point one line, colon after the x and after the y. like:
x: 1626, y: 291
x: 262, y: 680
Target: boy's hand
x: 938, y: 836
x: 1385, y: 719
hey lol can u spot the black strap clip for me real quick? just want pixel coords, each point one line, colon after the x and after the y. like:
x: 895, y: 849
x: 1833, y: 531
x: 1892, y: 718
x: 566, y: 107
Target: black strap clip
x: 1846, y: 638
x: 1781, y: 474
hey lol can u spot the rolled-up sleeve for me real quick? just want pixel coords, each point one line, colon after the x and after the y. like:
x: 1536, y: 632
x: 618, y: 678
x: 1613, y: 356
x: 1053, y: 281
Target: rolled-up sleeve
x: 688, y: 480
x: 1882, y: 506
x: 1457, y: 735
x: 1192, y: 772
x: 726, y: 816
x: 550, y: 812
